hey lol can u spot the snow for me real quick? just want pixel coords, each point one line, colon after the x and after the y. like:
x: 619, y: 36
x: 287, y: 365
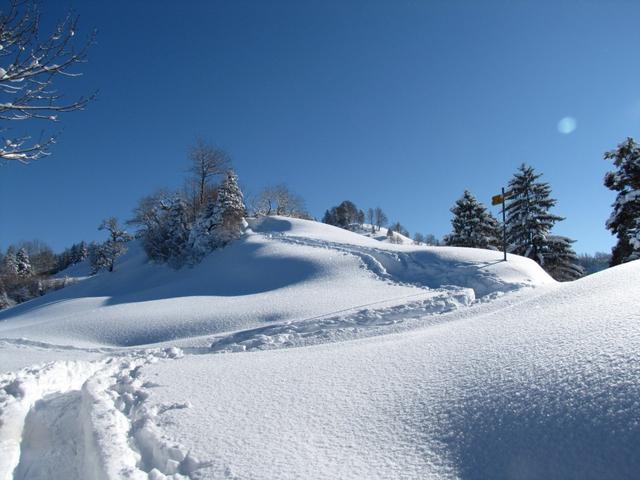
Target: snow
x: 282, y: 270
x: 546, y: 387
x: 306, y: 351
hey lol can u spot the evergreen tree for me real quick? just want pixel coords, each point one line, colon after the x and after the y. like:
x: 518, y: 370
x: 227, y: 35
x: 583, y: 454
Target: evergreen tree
x: 97, y: 257
x: 330, y: 216
x: 220, y: 222
x: 624, y: 221
x: 9, y: 263
x: 78, y: 252
x: 5, y: 301
x: 344, y: 215
x: 23, y: 264
x: 560, y: 261
x: 399, y: 228
x: 201, y: 238
x: 528, y: 218
x: 231, y: 208
x: 473, y: 225
x: 176, y: 229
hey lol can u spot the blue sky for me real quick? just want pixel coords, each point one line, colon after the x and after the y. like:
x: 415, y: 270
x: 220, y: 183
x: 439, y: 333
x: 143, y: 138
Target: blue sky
x: 395, y: 104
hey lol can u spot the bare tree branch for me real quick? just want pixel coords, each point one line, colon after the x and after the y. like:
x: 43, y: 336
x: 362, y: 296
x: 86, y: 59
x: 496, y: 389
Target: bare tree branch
x: 29, y: 68
x: 206, y: 162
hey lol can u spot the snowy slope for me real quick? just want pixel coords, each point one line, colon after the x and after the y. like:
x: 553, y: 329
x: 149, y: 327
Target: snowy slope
x: 381, y: 234
x: 412, y: 362
x: 544, y: 388
x: 283, y: 270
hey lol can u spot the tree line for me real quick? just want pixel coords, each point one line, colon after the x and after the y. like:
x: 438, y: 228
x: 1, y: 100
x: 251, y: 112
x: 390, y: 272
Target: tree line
x: 207, y: 213
x: 348, y: 216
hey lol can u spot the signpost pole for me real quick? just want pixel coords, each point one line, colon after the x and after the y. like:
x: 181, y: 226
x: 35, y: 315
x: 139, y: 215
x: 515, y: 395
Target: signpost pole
x: 504, y: 228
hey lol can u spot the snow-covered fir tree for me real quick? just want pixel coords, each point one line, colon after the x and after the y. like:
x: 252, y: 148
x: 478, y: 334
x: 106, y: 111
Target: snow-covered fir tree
x: 5, y: 301
x: 560, y: 260
x: 202, y: 239
x: 9, y: 263
x: 98, y: 258
x: 624, y: 221
x: 79, y: 252
x: 221, y: 221
x: 473, y: 225
x: 23, y: 263
x: 176, y: 229
x: 527, y: 211
x: 232, y: 210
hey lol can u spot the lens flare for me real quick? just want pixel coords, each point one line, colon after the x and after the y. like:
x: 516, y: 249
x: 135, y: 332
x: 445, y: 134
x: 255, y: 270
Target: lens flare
x: 567, y: 125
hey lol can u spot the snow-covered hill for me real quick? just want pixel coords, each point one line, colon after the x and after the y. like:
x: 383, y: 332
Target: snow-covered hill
x: 414, y: 362
x: 282, y: 270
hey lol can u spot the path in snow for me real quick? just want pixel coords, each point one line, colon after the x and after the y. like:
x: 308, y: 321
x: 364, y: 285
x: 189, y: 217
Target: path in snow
x: 418, y: 268
x: 79, y: 420
x: 52, y: 439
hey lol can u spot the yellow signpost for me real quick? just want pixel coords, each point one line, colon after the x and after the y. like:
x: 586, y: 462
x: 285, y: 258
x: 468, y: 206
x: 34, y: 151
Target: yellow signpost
x: 497, y: 200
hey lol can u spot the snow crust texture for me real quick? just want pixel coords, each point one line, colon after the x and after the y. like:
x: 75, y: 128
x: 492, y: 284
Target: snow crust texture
x: 409, y: 362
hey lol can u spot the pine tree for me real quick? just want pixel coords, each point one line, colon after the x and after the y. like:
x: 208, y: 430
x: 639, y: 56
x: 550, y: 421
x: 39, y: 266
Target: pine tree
x: 390, y: 235
x: 98, y: 258
x: 9, y: 263
x: 528, y: 218
x: 230, y: 204
x: 5, y: 301
x: 202, y: 239
x: 560, y: 261
x: 177, y: 229
x: 624, y: 221
x: 473, y: 225
x: 23, y: 264
x: 220, y: 222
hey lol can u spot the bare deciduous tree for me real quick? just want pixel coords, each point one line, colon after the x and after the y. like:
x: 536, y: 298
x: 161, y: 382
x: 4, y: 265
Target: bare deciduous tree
x: 207, y: 162
x: 148, y: 210
x: 30, y: 65
x: 279, y: 200
x: 380, y: 218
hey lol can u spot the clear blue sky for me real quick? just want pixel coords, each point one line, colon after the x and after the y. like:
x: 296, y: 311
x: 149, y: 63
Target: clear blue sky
x: 398, y: 104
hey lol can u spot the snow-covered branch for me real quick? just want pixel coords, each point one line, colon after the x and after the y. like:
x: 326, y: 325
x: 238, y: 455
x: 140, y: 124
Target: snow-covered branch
x: 30, y: 64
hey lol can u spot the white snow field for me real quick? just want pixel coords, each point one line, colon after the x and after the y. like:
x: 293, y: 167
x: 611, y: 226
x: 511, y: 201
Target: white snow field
x: 409, y: 362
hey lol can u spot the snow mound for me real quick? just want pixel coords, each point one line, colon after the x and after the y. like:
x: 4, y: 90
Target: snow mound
x: 281, y: 270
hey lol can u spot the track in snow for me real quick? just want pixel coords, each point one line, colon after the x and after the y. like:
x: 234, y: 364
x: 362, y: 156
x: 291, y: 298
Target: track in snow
x: 52, y: 439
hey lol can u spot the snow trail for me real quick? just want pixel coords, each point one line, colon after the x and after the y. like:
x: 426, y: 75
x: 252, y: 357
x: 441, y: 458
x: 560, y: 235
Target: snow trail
x: 52, y: 444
